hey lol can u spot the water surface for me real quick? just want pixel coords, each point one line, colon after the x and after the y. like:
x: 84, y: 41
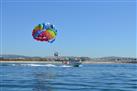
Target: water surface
x: 53, y: 77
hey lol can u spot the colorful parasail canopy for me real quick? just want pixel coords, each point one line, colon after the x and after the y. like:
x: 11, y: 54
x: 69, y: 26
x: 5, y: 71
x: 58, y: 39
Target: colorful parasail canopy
x: 44, y: 32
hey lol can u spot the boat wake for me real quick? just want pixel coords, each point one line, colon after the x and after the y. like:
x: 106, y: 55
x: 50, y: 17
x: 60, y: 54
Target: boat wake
x: 65, y: 66
x: 36, y: 65
x: 47, y: 65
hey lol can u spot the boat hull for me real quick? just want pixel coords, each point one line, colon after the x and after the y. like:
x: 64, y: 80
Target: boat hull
x: 72, y: 63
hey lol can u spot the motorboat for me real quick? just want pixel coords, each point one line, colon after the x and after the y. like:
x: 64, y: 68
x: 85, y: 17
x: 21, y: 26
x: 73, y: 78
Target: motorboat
x: 67, y: 61
x: 74, y: 63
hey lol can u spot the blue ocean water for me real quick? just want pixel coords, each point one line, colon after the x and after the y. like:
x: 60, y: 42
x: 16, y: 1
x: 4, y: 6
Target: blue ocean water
x: 53, y: 77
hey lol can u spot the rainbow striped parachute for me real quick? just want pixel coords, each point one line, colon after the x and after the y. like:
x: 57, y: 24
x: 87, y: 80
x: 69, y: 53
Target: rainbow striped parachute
x: 44, y: 32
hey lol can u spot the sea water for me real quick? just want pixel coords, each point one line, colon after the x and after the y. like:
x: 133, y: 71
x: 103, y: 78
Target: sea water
x: 54, y: 77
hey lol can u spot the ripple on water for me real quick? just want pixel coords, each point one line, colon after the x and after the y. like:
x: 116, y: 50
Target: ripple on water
x: 48, y: 77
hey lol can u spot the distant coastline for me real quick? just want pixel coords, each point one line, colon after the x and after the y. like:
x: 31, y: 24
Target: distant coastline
x: 60, y: 59
x: 26, y: 61
x: 59, y: 62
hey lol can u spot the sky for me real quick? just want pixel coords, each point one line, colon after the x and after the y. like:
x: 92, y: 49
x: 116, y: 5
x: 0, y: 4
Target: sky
x: 91, y: 28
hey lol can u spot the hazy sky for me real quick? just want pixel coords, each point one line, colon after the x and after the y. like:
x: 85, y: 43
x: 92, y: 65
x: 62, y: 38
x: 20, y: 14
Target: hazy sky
x: 93, y: 28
